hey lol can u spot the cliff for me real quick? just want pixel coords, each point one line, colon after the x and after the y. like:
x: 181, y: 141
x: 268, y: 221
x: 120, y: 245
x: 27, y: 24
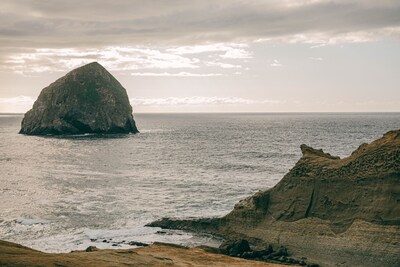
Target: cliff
x: 86, y: 100
x: 335, y: 212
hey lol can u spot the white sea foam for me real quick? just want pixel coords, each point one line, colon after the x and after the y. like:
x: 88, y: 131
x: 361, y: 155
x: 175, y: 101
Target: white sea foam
x: 27, y: 221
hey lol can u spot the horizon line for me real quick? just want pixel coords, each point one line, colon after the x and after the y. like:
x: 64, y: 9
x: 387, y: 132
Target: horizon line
x: 245, y: 112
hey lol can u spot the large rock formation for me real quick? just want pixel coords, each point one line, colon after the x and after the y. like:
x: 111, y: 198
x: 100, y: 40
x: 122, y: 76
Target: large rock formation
x: 86, y: 100
x: 335, y: 212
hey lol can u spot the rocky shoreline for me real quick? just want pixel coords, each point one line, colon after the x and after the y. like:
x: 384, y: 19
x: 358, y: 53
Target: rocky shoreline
x: 335, y: 212
x: 158, y: 254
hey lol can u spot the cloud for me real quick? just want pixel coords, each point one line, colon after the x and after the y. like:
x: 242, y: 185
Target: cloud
x: 109, y: 23
x: 114, y: 58
x: 123, y: 58
x: 197, y: 100
x: 44, y: 36
x: 229, y: 50
x: 237, y: 54
x: 179, y: 74
x: 275, y: 63
x: 18, y: 104
x: 321, y: 39
x: 316, y: 58
x: 222, y: 65
x: 207, y: 48
x: 19, y: 100
x: 21, y: 104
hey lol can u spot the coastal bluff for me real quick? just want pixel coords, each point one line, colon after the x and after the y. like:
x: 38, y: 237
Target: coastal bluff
x: 86, y: 100
x: 332, y: 211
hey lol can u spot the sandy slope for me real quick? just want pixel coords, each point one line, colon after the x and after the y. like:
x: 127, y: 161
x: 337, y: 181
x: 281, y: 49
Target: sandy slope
x: 12, y: 254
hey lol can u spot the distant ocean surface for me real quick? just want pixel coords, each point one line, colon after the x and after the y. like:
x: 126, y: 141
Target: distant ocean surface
x: 59, y: 194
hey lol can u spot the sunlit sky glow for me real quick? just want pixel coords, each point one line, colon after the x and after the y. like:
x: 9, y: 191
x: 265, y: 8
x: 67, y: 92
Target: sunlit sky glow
x: 210, y: 56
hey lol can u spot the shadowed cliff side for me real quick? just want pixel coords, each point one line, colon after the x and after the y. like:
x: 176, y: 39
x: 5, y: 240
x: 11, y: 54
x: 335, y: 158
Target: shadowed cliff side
x: 334, y: 211
x: 86, y: 100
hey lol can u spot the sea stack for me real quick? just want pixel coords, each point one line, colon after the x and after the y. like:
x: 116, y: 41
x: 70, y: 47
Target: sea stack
x: 332, y: 211
x: 86, y: 100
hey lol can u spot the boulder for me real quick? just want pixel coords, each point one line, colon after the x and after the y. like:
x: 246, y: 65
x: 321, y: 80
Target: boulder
x: 86, y: 100
x: 235, y: 248
x: 138, y: 244
x: 91, y: 249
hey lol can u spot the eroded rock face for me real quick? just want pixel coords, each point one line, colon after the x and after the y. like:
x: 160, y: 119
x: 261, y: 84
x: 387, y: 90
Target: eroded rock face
x: 364, y: 186
x: 86, y: 100
x: 328, y: 209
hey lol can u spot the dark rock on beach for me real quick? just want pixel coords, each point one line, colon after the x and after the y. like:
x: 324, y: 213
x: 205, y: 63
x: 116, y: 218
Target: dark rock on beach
x: 242, y: 249
x: 138, y: 244
x: 235, y: 248
x: 330, y: 210
x: 86, y: 100
x: 91, y: 249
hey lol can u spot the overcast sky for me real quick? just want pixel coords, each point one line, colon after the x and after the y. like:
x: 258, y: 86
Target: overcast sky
x: 209, y: 56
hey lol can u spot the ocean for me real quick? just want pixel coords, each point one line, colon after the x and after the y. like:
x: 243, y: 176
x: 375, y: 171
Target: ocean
x: 59, y: 194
